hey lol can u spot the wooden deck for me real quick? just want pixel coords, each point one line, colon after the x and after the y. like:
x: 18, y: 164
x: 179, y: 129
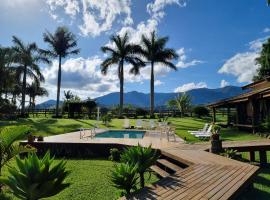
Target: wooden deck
x: 208, y: 176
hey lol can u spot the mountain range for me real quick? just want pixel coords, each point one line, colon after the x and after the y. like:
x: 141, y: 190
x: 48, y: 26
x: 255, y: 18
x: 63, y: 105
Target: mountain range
x: 199, y: 96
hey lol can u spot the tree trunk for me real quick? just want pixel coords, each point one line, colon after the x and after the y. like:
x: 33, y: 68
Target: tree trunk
x: 58, y: 88
x: 142, y: 180
x: 152, y: 91
x: 121, y: 87
x: 23, y: 90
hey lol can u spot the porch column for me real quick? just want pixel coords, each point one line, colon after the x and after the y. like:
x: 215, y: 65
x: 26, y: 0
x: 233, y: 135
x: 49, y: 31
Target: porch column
x: 253, y: 115
x: 214, y: 114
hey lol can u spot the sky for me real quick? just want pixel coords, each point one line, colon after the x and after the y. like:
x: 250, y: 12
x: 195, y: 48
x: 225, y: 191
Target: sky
x: 217, y: 41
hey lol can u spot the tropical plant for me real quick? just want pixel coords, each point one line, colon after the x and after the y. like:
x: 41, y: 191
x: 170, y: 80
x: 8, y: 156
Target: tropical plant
x: 36, y: 178
x: 68, y: 95
x: 171, y: 104
x: 106, y: 119
x: 8, y: 146
x: 183, y: 103
x: 230, y: 153
x: 155, y: 52
x: 125, y: 177
x: 141, y: 157
x: 264, y: 62
x: 201, y: 111
x: 26, y: 58
x: 120, y: 53
x: 61, y: 45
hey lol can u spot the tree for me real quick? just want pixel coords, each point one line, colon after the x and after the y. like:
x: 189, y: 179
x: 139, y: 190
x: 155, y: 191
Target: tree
x: 33, y: 90
x: 264, y: 62
x: 155, y: 52
x: 35, y: 178
x: 171, y: 104
x: 200, y: 111
x: 61, y: 45
x: 141, y: 157
x: 26, y: 59
x: 183, y: 103
x: 121, y: 52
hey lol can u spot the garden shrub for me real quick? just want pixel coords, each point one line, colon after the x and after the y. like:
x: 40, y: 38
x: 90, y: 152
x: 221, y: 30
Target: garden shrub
x: 115, y: 154
x: 201, y: 111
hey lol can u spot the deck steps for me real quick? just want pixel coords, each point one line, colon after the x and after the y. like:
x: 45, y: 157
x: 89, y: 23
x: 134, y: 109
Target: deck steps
x: 160, y: 172
x: 168, y: 166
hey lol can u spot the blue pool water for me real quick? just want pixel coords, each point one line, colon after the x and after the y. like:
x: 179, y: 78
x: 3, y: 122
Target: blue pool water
x: 121, y: 134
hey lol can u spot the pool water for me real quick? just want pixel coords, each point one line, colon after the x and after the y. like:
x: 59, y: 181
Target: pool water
x: 121, y: 134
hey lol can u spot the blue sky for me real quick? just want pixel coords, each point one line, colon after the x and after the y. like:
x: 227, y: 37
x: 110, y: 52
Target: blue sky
x: 217, y: 40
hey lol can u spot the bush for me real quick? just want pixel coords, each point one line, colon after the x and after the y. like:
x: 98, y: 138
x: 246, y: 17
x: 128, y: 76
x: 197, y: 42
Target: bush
x: 36, y: 178
x: 115, y: 154
x: 141, y: 112
x: 201, y: 111
x: 106, y: 119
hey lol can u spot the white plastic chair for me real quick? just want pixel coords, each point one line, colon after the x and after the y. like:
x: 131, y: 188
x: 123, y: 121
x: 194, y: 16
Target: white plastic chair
x: 206, y: 133
x: 152, y: 124
x: 201, y: 130
x: 126, y: 124
x: 139, y: 124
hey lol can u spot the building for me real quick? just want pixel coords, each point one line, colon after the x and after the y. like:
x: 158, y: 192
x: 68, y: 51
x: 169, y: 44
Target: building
x: 249, y: 109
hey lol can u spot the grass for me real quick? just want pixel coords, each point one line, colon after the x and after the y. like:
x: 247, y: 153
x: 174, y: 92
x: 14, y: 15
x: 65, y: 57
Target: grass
x: 90, y: 179
x: 49, y: 126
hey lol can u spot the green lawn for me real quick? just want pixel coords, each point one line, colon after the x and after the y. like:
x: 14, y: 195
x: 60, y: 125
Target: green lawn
x: 90, y: 179
x: 50, y: 126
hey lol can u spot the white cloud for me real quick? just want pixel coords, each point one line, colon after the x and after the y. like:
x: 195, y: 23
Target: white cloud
x: 243, y: 65
x: 266, y: 30
x: 158, y: 82
x: 224, y: 83
x: 182, y: 60
x: 94, y: 16
x: 190, y: 86
x: 156, y: 8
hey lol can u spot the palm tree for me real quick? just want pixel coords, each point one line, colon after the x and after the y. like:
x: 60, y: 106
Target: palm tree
x: 122, y: 52
x: 62, y: 44
x: 183, y: 103
x: 27, y: 57
x: 35, y: 90
x: 155, y: 52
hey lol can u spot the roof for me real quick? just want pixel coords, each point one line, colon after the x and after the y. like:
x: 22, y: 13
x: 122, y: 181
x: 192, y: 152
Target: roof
x: 262, y: 93
x: 256, y: 83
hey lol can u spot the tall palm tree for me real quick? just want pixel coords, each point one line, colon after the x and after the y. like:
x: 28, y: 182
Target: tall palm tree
x: 62, y: 43
x: 122, y: 52
x: 155, y: 52
x: 183, y: 103
x: 26, y: 58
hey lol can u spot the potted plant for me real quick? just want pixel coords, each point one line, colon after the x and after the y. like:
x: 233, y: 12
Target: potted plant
x: 40, y: 138
x: 31, y: 138
x: 216, y: 143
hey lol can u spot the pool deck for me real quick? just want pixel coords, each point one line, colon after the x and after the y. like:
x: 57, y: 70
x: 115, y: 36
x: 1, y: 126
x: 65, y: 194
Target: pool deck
x: 208, y: 176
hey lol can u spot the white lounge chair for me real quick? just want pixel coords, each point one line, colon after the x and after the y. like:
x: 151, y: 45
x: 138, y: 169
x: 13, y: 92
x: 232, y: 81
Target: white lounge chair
x: 152, y: 124
x: 139, y: 124
x: 201, y: 130
x: 204, y: 134
x: 126, y: 124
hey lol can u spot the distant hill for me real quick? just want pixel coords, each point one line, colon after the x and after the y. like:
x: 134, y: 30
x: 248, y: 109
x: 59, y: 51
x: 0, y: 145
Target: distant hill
x: 198, y: 96
x: 48, y: 104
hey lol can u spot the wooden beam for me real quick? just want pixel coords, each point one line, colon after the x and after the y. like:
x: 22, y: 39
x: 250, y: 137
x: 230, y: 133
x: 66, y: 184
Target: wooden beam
x: 228, y: 115
x: 214, y: 114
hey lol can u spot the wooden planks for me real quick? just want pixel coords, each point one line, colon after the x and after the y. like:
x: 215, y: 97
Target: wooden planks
x: 209, y: 177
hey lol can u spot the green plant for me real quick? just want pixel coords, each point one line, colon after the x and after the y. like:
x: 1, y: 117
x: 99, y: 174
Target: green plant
x: 36, y: 178
x: 201, y: 111
x: 183, y: 102
x: 230, y: 153
x: 125, y: 177
x: 115, y: 154
x: 215, y: 129
x: 106, y: 119
x: 8, y: 148
x: 141, y: 157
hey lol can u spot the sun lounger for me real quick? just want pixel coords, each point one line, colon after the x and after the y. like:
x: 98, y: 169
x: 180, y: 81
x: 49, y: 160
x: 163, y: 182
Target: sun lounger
x: 201, y: 130
x: 139, y: 124
x: 206, y: 133
x: 152, y: 124
x: 126, y: 124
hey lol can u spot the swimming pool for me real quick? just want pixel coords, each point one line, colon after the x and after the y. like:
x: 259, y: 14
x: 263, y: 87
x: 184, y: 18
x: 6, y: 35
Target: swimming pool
x: 121, y: 134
